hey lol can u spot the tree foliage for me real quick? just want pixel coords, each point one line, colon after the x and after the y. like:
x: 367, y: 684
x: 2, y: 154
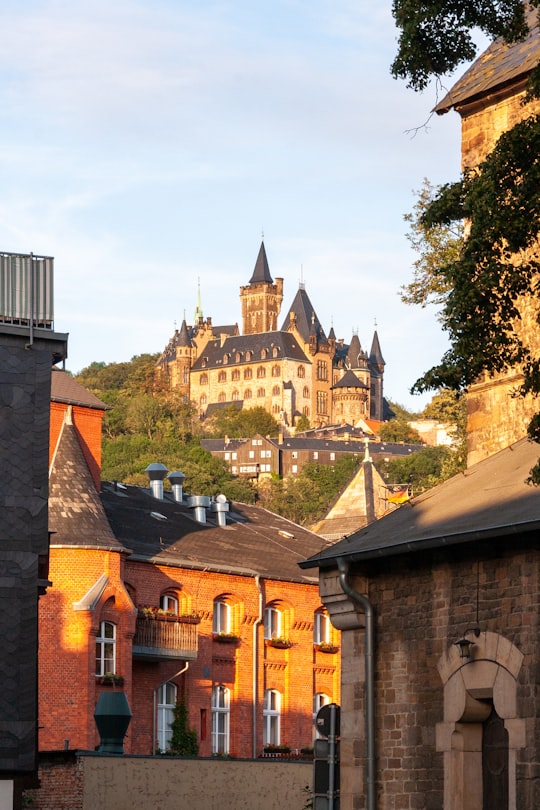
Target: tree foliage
x: 237, y: 423
x: 399, y: 430
x: 436, y: 37
x: 422, y: 470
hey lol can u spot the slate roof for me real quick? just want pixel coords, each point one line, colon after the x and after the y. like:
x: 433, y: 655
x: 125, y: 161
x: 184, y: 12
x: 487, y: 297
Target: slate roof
x: 350, y: 380
x: 375, y: 354
x: 76, y: 515
x: 344, y: 446
x: 261, y: 273
x: 254, y: 540
x: 491, y: 499
x: 65, y: 388
x: 284, y: 342
x: 306, y: 317
x: 498, y: 66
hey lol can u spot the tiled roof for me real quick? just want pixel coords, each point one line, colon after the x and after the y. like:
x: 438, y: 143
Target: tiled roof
x: 285, y: 343
x: 76, y: 515
x: 491, y: 499
x: 65, y: 388
x: 499, y: 65
x: 254, y: 540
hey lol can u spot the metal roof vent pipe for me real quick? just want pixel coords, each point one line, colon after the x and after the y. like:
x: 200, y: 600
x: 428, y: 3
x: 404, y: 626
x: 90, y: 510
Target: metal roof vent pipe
x: 200, y: 504
x: 177, y: 479
x: 156, y: 473
x: 220, y: 506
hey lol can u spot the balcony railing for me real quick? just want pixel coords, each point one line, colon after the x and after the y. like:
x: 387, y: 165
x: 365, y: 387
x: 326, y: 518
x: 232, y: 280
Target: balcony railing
x: 165, y: 639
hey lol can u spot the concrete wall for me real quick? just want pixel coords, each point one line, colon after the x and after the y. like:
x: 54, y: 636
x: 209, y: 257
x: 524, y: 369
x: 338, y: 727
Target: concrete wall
x: 90, y: 781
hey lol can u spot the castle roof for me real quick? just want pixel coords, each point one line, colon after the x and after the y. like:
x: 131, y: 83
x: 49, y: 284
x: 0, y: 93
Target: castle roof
x: 355, y: 355
x: 261, y: 273
x: 305, y: 316
x: 350, y: 380
x: 64, y: 388
x: 375, y: 354
x: 499, y: 66
x: 278, y: 345
x: 183, y: 338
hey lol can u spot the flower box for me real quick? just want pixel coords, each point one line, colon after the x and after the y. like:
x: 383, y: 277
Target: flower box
x: 110, y: 679
x: 225, y: 638
x: 279, y: 643
x: 326, y: 648
x: 160, y: 615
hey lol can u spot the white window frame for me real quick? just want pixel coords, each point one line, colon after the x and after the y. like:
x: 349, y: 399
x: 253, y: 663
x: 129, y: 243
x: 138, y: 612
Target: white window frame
x: 166, y: 704
x: 221, y: 617
x: 272, y: 717
x: 320, y: 699
x: 273, y: 622
x: 321, y: 628
x: 169, y: 602
x: 221, y: 711
x: 106, y: 649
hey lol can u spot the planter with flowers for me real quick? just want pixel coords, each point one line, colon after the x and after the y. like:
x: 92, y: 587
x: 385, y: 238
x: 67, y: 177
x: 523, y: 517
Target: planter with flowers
x: 161, y: 615
x: 225, y: 638
x: 326, y: 647
x: 111, y: 679
x: 272, y: 750
x: 280, y: 643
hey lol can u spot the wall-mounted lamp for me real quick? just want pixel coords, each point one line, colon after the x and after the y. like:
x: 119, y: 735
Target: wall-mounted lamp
x: 464, y: 644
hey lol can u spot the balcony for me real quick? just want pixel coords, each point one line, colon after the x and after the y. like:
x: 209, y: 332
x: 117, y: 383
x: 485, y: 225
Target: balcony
x: 162, y: 639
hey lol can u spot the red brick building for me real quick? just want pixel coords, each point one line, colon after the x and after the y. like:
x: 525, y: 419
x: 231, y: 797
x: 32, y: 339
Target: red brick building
x: 177, y: 596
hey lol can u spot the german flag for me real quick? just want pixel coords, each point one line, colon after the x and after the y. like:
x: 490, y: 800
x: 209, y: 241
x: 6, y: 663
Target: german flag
x: 399, y: 494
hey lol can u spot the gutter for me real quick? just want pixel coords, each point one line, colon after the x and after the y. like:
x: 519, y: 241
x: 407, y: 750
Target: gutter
x: 367, y: 607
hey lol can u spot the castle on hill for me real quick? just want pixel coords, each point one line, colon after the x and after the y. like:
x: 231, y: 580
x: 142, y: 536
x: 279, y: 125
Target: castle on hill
x: 292, y: 371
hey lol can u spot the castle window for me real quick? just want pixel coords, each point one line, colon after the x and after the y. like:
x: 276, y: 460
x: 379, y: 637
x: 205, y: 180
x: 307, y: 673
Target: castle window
x: 203, y: 362
x: 222, y: 376
x: 264, y: 354
x: 235, y: 374
x: 305, y: 410
x: 203, y: 400
x: 235, y: 395
x: 248, y: 393
x: 222, y: 397
x: 305, y: 392
x: 237, y: 357
x: 261, y: 392
x: 322, y: 370
x: 276, y: 390
x: 275, y: 351
x: 249, y: 355
x: 185, y: 376
x: 301, y: 372
x: 204, y: 379
x: 225, y: 359
x: 276, y: 371
x: 322, y: 403
x: 261, y: 372
x: 248, y: 373
x: 275, y: 408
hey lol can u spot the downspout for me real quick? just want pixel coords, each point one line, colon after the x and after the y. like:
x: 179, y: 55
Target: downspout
x: 154, y: 713
x: 255, y: 687
x: 367, y: 607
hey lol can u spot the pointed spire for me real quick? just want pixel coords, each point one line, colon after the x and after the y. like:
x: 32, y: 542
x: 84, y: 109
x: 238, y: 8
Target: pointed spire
x: 261, y: 273
x: 198, y: 309
x: 375, y: 354
x: 183, y: 335
x: 354, y: 353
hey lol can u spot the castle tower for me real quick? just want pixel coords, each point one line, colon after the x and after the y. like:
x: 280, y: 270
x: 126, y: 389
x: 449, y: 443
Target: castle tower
x: 376, y: 366
x: 261, y: 299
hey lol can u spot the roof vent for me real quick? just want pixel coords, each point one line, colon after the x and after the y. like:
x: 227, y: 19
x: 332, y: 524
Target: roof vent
x: 200, y: 504
x: 156, y: 473
x: 177, y: 479
x: 220, y: 506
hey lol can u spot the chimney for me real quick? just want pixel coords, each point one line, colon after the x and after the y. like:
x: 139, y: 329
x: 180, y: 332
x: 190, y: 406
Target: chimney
x: 220, y: 506
x: 177, y: 480
x: 200, y: 504
x: 156, y: 473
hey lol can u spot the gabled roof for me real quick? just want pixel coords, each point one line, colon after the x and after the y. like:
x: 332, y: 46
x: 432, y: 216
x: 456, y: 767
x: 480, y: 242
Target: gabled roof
x: 306, y: 317
x: 498, y: 66
x: 491, y: 499
x: 64, y: 388
x: 76, y: 515
x: 261, y: 273
x: 285, y: 344
x: 253, y: 541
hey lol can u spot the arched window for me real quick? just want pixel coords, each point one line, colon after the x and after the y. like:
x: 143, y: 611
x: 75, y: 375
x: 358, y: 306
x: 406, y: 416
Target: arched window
x: 203, y: 379
x: 222, y: 376
x: 169, y: 603
x: 275, y: 408
x: 222, y: 396
x: 220, y: 720
x: 321, y: 628
x: 235, y: 395
x: 225, y: 359
x: 237, y: 357
x: 264, y: 354
x: 305, y: 392
x: 301, y: 372
x: 275, y: 351
x: 185, y: 376
x: 273, y: 625
x: 235, y: 374
x: 249, y: 356
x: 203, y: 400
x: 221, y: 617
x: 248, y: 393
x: 106, y: 649
x: 276, y: 391
x: 261, y: 392
x: 305, y: 410
x: 248, y: 373
x: 276, y: 371
x: 166, y: 703
x: 261, y: 372
x: 271, y: 717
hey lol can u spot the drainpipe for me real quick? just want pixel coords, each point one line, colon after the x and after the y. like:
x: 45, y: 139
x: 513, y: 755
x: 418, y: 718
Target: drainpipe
x: 154, y: 714
x: 255, y: 688
x: 367, y: 607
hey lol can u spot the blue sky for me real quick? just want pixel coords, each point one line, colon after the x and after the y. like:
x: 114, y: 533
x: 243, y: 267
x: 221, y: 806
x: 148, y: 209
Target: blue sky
x: 146, y: 145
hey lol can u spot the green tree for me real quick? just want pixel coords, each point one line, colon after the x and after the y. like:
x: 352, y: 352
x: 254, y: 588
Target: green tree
x: 302, y: 424
x: 422, y: 470
x: 399, y: 430
x: 239, y: 423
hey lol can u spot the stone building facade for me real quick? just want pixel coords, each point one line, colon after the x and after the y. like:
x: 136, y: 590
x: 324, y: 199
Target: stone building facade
x: 294, y: 371
x: 490, y: 100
